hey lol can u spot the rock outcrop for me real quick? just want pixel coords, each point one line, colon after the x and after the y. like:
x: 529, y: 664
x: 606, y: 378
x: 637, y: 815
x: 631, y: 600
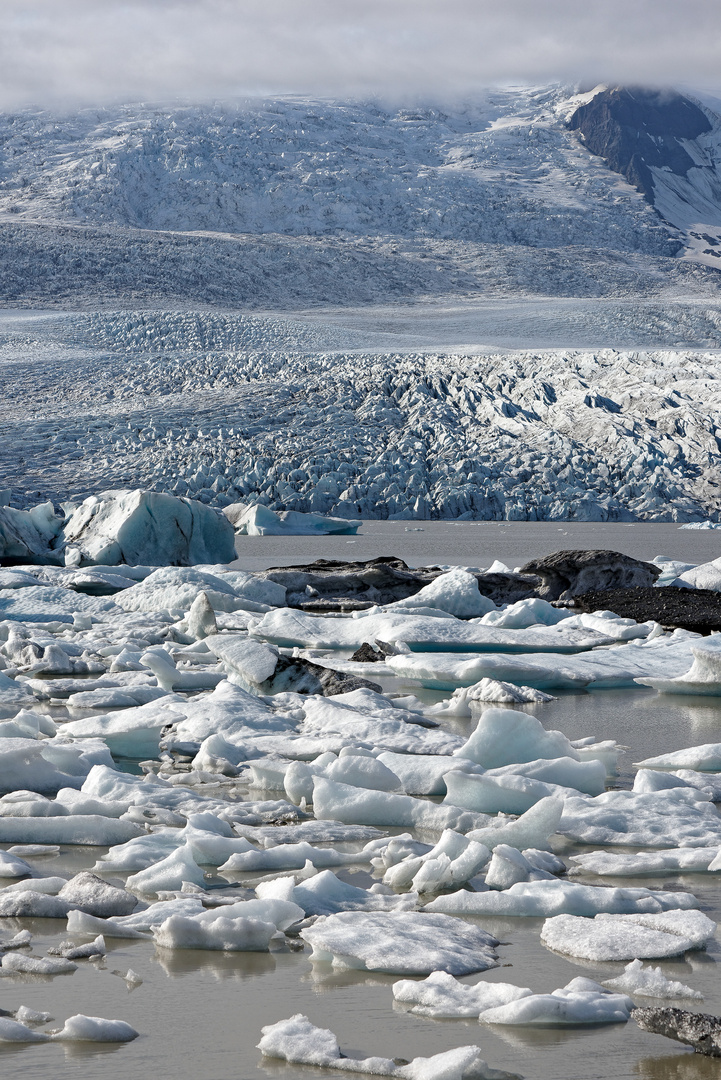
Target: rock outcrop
x: 699, y: 1030
x: 566, y: 574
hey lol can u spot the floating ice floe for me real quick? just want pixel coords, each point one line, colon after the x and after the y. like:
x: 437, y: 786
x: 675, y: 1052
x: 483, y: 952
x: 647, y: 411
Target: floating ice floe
x: 355, y: 805
x: 325, y: 894
x: 71, y: 829
x: 532, y: 829
x: 19, y: 964
x: 554, y: 897
x: 674, y: 861
x: 446, y: 668
x: 441, y: 995
x: 246, y: 926
x: 704, y: 758
x: 505, y: 737
x: 81, y: 1028
x: 628, y: 937
x: 463, y: 700
x: 671, y: 818
x: 297, y: 1041
x: 402, y: 943
x: 286, y: 627
x: 650, y: 982
x: 258, y: 520
x: 176, y: 589
x: 456, y: 592
x: 582, y: 1001
x: 296, y: 856
x: 703, y: 677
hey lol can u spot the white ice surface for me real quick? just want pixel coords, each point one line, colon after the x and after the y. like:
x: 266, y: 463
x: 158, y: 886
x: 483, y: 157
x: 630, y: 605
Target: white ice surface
x: 401, y: 943
x: 628, y: 937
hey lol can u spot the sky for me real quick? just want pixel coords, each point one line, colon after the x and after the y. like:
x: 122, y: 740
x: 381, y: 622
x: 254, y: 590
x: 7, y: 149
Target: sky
x: 76, y: 52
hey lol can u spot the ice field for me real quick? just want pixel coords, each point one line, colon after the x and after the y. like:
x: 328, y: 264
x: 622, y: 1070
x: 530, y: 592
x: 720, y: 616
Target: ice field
x: 308, y: 415
x: 366, y: 864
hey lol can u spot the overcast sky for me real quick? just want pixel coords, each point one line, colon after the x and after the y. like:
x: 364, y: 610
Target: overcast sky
x: 92, y: 51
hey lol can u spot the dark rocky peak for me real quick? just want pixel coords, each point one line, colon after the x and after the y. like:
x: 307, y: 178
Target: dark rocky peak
x: 634, y: 129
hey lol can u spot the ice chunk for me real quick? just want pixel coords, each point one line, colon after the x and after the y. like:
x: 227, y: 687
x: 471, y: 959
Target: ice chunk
x: 47, y: 765
x: 675, y: 860
x: 505, y: 737
x: 25, y: 904
x: 71, y: 951
x: 137, y: 925
x: 247, y: 926
x: 507, y: 794
x: 509, y: 866
x: 258, y: 520
x: 403, y: 943
x: 554, y: 897
x: 176, y: 589
x: 250, y: 662
x: 581, y: 1002
x: 424, y: 774
x: 222, y: 934
x: 13, y: 867
x: 90, y: 893
x: 628, y: 937
x: 30, y: 1016
x: 361, y: 806
x: 454, y: 860
x: 81, y: 1028
x: 703, y: 677
x: 456, y: 592
x: 20, y: 964
x: 325, y: 894
x: 462, y: 701
x: 704, y: 758
x: 531, y: 829
x: 133, y: 732
x: 298, y: 1041
x: 440, y: 995
x: 295, y: 857
x: 705, y: 576
x: 169, y: 873
x: 663, y: 819
x: 11, y: 1031
x: 650, y: 982
x: 288, y: 627
x: 147, y: 527
x: 75, y: 829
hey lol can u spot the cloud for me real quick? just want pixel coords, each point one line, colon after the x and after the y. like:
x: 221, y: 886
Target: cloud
x: 98, y: 51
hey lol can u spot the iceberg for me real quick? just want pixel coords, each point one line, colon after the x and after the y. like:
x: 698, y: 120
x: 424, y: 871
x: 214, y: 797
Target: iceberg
x: 401, y: 943
x: 628, y: 937
x: 298, y: 1041
x: 146, y: 527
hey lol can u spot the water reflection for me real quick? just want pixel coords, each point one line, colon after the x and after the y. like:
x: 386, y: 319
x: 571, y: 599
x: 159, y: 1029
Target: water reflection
x: 325, y: 978
x: 177, y: 963
x: 533, y: 1038
x: 683, y: 1065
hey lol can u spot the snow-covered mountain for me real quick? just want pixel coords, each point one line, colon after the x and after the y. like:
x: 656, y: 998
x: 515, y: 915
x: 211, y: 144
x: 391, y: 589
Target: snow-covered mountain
x: 667, y: 146
x: 291, y: 202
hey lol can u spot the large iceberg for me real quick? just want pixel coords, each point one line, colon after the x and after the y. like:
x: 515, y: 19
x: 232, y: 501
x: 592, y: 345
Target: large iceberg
x: 145, y: 527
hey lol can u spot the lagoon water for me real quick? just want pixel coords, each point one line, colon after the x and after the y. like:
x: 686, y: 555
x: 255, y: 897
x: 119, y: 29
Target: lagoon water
x: 200, y: 1013
x: 479, y: 543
